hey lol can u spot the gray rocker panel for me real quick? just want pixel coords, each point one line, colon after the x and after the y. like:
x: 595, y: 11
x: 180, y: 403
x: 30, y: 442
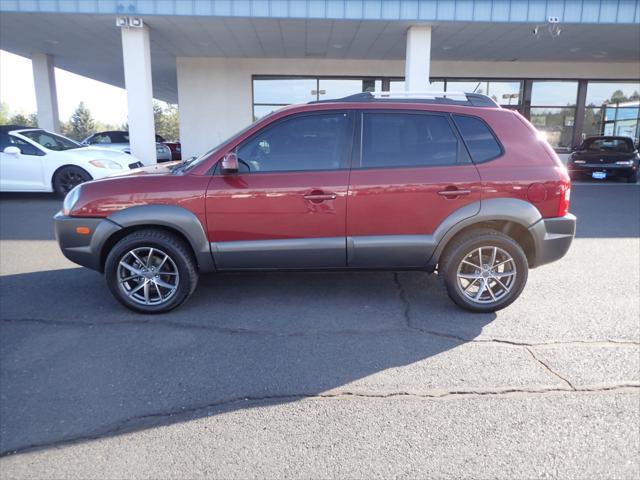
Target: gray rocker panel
x: 296, y: 253
x: 173, y: 217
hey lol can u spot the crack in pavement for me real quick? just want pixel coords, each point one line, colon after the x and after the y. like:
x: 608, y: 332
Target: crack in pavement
x: 549, y: 369
x: 132, y: 424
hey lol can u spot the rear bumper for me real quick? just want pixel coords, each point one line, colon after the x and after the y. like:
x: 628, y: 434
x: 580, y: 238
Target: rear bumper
x: 611, y: 170
x: 552, y: 238
x: 83, y: 249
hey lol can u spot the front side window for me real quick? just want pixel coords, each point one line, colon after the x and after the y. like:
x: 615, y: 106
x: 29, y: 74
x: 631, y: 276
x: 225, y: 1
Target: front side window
x: 408, y: 140
x: 50, y: 140
x: 25, y: 147
x: 304, y: 142
x: 480, y: 141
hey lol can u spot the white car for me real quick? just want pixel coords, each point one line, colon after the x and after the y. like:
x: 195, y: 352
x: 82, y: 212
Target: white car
x: 34, y: 160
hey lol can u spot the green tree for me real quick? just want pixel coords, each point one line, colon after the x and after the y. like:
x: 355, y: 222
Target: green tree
x: 4, y: 113
x: 166, y: 122
x: 81, y: 124
x: 24, y: 120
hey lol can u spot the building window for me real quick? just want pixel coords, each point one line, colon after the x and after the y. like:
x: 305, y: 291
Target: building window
x: 553, y: 111
x: 507, y: 93
x: 270, y: 94
x: 612, y: 108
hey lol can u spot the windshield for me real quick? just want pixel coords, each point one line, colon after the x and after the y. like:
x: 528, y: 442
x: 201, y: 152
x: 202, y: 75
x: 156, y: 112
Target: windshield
x: 618, y: 145
x: 194, y: 161
x: 50, y: 140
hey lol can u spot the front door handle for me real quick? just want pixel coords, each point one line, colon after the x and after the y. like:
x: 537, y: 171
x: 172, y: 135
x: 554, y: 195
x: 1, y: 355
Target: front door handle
x: 318, y: 197
x: 453, y: 192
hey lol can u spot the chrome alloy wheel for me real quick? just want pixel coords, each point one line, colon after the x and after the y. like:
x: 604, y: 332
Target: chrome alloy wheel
x: 148, y: 276
x: 486, y: 274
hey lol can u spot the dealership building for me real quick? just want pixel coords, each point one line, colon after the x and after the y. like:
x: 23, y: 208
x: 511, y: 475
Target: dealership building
x: 571, y: 66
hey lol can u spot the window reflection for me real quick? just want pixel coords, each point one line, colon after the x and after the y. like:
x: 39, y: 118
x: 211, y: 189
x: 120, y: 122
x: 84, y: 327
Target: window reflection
x: 552, y: 94
x: 556, y: 124
x: 504, y: 93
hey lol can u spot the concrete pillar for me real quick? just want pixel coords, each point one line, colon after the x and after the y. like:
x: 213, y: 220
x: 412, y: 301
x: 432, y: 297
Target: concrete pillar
x: 418, y: 59
x: 137, y: 78
x: 44, y: 80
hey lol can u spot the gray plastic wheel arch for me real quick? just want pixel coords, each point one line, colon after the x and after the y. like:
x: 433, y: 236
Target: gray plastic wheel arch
x: 174, y: 218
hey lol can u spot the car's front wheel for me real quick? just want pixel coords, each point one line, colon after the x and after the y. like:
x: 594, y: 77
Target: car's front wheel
x: 484, y: 270
x: 69, y: 177
x: 151, y: 271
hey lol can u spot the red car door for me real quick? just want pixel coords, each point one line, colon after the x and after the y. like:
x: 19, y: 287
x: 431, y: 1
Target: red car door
x: 412, y: 172
x: 286, y: 206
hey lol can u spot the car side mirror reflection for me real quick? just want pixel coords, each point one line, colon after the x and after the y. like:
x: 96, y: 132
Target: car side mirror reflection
x: 230, y: 164
x: 12, y: 150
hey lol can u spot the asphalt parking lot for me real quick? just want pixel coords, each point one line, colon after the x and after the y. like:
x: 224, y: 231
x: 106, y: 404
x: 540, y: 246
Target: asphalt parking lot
x: 323, y: 375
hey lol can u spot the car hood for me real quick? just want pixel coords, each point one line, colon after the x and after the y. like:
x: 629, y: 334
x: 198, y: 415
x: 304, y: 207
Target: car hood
x: 156, y: 169
x: 98, y: 153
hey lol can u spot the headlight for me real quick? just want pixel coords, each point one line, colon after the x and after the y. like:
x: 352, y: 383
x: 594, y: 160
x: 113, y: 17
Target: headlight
x: 110, y: 164
x: 70, y: 200
x: 628, y: 163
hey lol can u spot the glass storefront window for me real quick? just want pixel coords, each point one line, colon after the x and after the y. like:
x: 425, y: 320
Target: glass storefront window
x: 556, y: 124
x: 284, y: 91
x: 554, y: 94
x: 338, y: 88
x: 505, y: 93
x: 398, y: 86
x: 601, y: 93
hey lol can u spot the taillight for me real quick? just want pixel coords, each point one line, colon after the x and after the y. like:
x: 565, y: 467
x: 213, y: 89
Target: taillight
x: 565, y: 196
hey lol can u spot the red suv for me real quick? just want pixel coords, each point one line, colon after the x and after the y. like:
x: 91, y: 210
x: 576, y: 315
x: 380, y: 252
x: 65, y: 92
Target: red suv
x: 447, y: 181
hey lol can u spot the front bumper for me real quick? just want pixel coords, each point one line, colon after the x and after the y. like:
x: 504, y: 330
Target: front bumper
x: 83, y: 249
x: 552, y: 238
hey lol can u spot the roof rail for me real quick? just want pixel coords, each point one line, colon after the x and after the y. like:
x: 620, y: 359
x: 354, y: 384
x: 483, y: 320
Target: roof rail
x: 450, y: 98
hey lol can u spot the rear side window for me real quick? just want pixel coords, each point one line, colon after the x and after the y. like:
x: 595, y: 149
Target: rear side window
x: 480, y: 141
x: 408, y: 140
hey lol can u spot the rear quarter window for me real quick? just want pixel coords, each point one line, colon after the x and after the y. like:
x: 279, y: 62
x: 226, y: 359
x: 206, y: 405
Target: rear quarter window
x: 480, y: 141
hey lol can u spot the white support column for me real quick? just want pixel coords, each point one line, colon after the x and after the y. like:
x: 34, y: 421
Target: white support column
x: 418, y: 58
x: 137, y: 78
x: 44, y: 80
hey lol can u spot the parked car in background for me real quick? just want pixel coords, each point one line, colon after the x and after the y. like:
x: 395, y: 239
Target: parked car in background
x: 34, y: 160
x: 175, y: 147
x: 605, y: 157
x: 119, y: 140
x: 447, y: 182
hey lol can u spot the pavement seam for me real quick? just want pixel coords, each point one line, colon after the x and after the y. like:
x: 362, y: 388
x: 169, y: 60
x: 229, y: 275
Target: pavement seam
x: 133, y: 424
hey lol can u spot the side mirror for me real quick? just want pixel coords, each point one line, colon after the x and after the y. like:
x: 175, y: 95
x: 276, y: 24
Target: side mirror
x: 11, y: 150
x: 230, y: 163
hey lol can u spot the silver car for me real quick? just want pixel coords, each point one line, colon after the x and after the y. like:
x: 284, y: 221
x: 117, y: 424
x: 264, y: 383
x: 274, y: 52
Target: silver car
x: 119, y: 140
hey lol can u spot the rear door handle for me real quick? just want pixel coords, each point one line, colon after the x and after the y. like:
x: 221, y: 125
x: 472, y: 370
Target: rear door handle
x: 320, y: 197
x: 451, y: 193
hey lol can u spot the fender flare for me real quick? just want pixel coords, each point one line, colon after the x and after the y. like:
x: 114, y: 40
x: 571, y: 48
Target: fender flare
x: 502, y: 209
x: 174, y: 218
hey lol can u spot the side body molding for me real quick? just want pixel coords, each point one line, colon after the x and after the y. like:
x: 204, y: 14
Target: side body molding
x: 505, y: 209
x: 175, y: 218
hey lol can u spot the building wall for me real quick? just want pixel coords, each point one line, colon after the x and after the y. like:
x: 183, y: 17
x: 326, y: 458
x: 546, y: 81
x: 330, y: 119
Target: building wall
x: 215, y: 94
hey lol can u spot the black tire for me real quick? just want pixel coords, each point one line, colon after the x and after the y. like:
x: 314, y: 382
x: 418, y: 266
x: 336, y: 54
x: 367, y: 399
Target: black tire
x: 467, y: 244
x: 633, y: 178
x: 180, y: 258
x: 68, y: 177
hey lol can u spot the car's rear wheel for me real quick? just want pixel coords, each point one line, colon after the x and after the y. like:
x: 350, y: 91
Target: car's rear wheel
x: 69, y: 177
x: 484, y: 270
x: 633, y: 178
x: 151, y: 271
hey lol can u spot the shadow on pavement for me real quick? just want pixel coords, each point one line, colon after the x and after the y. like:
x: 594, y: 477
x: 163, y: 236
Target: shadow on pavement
x: 76, y: 365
